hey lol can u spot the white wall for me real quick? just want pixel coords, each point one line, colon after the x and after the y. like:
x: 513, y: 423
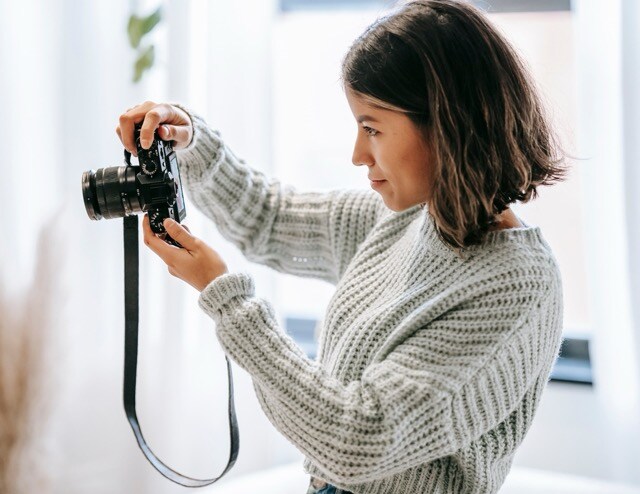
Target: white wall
x: 566, y: 434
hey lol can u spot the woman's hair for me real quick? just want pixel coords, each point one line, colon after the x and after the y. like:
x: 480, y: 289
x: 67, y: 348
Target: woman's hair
x: 456, y: 77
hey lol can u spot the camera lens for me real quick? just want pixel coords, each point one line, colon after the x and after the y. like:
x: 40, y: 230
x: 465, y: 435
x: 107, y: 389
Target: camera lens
x: 110, y: 192
x: 89, y: 194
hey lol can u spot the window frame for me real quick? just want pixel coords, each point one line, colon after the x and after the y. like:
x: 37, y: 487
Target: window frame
x: 486, y: 5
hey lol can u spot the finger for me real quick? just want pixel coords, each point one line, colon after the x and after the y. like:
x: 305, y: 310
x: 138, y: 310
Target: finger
x: 157, y: 245
x: 180, y: 234
x: 119, y: 134
x: 127, y: 123
x: 152, y: 120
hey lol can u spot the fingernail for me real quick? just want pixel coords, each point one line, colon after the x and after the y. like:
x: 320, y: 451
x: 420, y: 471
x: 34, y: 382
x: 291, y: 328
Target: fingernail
x: 144, y: 143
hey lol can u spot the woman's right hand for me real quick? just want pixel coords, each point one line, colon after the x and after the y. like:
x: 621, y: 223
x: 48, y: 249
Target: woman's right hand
x: 173, y: 124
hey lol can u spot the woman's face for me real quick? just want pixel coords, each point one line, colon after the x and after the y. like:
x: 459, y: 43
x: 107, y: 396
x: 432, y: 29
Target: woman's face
x: 393, y: 149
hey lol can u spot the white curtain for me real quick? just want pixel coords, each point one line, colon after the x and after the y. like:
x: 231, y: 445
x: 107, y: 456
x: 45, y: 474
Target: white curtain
x: 66, y: 77
x: 609, y: 137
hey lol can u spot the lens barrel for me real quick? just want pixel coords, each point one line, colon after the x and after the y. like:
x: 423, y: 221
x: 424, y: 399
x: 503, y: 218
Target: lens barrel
x: 110, y: 192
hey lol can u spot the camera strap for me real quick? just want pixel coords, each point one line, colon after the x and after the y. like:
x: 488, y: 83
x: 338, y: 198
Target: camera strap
x: 131, y: 307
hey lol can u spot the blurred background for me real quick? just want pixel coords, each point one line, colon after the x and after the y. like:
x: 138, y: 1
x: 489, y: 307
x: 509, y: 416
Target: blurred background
x: 266, y: 74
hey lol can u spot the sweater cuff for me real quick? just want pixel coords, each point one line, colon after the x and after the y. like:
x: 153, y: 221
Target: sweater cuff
x: 226, y: 290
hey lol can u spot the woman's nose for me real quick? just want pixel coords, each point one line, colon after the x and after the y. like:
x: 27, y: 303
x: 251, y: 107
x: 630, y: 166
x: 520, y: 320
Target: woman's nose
x: 360, y: 156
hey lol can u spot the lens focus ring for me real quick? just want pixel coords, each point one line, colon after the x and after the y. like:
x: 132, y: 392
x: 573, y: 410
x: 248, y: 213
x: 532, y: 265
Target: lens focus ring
x: 109, y: 188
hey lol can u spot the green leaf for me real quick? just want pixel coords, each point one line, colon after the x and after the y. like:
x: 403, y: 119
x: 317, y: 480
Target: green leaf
x: 139, y: 26
x: 144, y: 62
x: 134, y: 30
x: 151, y: 21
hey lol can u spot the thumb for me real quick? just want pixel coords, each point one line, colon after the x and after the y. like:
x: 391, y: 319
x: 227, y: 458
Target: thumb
x: 180, y: 234
x: 179, y: 134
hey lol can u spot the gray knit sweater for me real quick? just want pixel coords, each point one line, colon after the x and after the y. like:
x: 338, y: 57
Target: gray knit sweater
x: 430, y: 367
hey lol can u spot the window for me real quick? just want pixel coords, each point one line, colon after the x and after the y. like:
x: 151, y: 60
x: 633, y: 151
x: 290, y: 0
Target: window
x: 314, y: 129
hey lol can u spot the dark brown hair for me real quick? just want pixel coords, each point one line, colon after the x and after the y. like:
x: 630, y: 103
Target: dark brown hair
x: 444, y: 65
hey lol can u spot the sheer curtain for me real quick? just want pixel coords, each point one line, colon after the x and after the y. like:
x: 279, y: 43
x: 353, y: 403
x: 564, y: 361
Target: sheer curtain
x: 609, y: 60
x: 61, y: 77
x: 67, y: 71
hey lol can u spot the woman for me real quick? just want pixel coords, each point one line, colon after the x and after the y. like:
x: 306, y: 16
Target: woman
x: 447, y: 315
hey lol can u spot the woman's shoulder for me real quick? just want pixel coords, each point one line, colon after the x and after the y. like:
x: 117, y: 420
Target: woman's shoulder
x: 518, y: 259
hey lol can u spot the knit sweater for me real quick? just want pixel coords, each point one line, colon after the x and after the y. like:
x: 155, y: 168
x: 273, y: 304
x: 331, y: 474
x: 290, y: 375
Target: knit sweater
x: 430, y: 366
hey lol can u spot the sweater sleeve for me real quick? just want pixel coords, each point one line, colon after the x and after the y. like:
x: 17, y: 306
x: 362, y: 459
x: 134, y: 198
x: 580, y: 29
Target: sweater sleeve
x: 452, y: 380
x: 308, y: 234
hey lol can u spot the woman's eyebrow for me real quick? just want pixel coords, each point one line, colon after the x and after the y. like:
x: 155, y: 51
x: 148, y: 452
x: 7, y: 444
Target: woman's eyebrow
x: 368, y: 118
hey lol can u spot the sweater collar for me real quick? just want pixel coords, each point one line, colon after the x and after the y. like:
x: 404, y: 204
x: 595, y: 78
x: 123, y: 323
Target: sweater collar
x: 528, y: 234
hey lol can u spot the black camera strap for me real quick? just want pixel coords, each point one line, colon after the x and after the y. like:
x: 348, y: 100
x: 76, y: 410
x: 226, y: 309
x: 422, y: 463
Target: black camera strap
x: 131, y: 362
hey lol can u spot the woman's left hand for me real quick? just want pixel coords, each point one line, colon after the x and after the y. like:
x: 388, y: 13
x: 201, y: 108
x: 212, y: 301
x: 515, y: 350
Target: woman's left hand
x: 196, y: 262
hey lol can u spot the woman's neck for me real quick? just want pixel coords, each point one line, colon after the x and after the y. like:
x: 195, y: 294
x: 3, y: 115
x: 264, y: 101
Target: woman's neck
x: 506, y: 219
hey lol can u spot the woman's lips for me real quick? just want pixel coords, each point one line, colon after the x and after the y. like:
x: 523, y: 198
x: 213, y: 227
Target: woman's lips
x: 375, y: 183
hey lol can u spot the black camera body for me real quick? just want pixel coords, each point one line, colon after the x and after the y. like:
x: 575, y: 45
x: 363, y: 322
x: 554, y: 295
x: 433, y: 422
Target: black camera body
x: 153, y: 186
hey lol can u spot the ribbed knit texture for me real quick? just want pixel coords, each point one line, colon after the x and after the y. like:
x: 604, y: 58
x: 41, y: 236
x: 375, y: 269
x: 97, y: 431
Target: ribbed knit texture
x: 430, y: 367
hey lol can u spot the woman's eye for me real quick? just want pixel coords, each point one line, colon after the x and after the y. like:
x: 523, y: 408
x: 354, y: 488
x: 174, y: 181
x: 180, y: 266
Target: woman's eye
x: 369, y: 130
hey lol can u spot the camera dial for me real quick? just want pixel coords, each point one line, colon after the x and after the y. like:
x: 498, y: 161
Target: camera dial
x: 148, y: 167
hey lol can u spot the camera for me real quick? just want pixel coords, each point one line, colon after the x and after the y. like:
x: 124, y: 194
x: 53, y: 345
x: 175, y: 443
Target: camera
x: 153, y: 186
